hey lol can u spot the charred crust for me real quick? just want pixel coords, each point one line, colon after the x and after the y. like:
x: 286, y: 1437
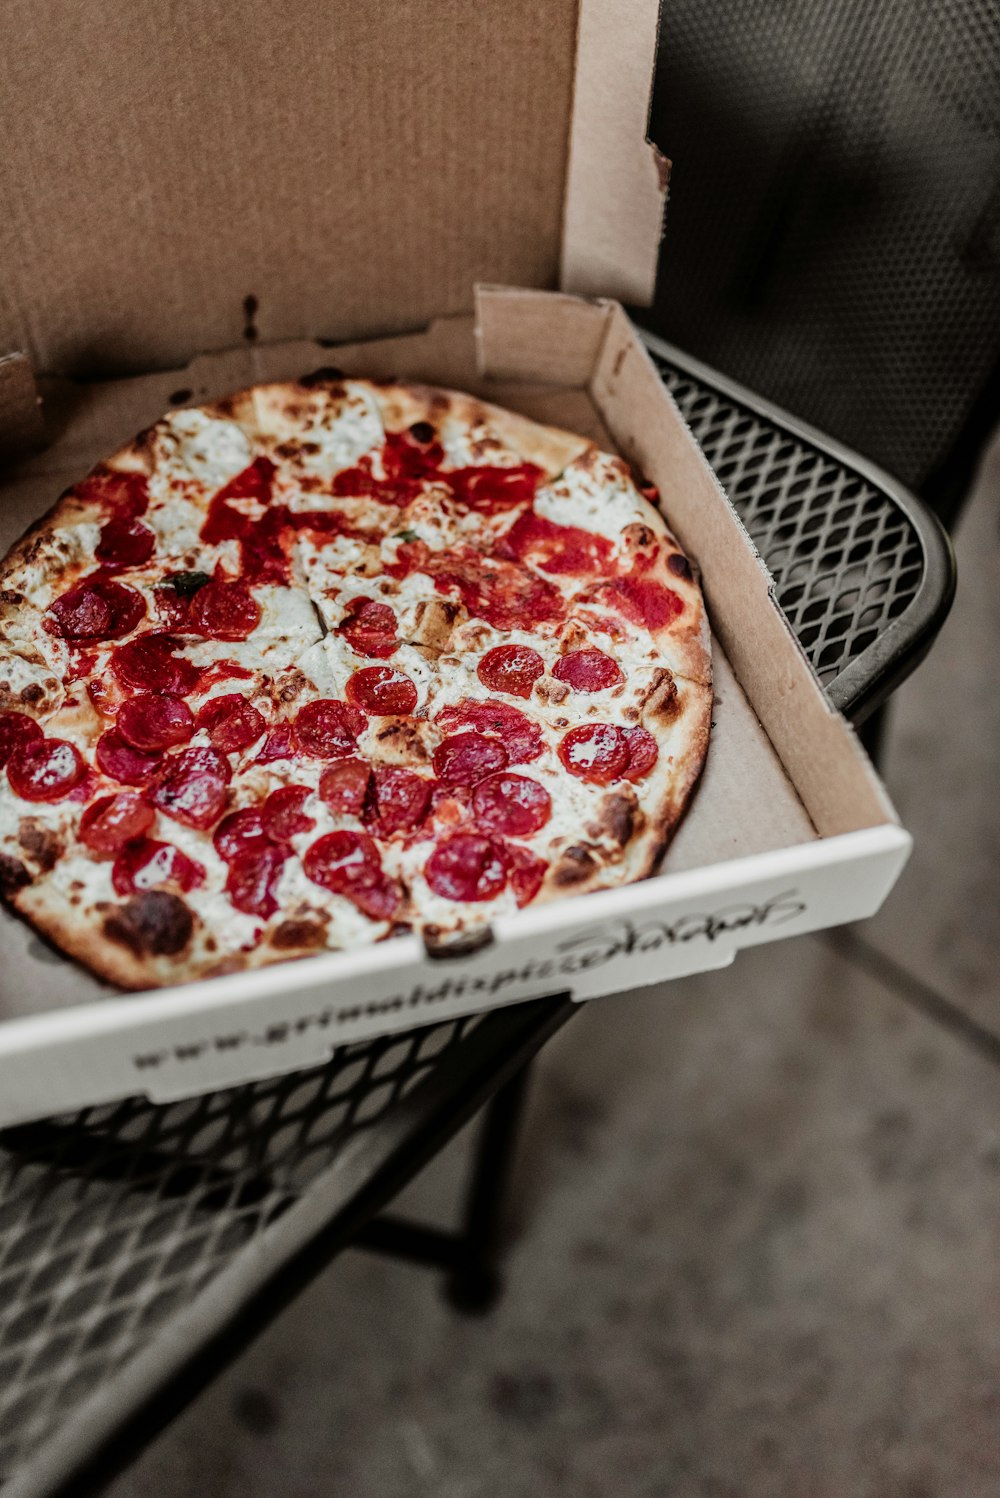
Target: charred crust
x: 678, y: 564
x: 153, y: 924
x: 663, y: 702
x: 616, y: 817
x: 13, y: 875
x: 293, y: 934
x: 327, y: 374
x: 577, y: 864
x: 42, y: 844
x: 422, y: 431
x: 639, y: 536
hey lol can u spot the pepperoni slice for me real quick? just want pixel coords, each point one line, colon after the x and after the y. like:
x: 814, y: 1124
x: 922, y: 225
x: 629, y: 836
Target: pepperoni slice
x: 401, y: 798
x: 252, y: 883
x: 283, y: 815
x: 148, y: 664
x: 491, y: 489
x: 467, y: 867
x: 16, y: 731
x: 344, y: 786
x: 224, y: 611
x: 641, y: 600
x: 113, y: 821
x: 46, y: 770
x: 155, y: 722
x: 369, y: 628
x: 643, y: 752
x: 231, y: 722
x: 588, y: 671
x: 348, y: 863
x: 555, y: 548
x: 148, y: 864
x: 597, y: 752
x: 511, y: 668
x: 122, y: 762
x: 239, y: 834
x: 526, y: 874
x: 279, y: 744
x: 381, y: 690
x: 520, y: 737
x: 125, y: 543
x: 328, y: 729
x: 116, y: 488
x: 467, y: 758
x: 192, y: 787
x: 512, y: 805
x: 97, y: 609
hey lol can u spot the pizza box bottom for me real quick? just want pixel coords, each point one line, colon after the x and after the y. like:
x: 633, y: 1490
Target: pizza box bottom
x: 789, y: 830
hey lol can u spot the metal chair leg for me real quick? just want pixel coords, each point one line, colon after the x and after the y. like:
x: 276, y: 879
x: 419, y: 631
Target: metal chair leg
x: 475, y: 1282
x: 470, y: 1255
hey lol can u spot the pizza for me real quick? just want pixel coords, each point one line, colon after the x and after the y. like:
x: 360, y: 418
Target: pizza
x: 328, y: 661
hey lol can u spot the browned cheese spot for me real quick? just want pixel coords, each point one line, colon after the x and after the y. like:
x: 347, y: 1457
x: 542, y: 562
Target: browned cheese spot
x: 155, y: 924
x: 42, y: 844
x: 401, y: 743
x: 291, y: 685
x: 433, y: 620
x: 33, y: 693
x: 551, y: 691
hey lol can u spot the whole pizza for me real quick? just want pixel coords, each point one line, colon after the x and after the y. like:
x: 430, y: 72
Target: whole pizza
x: 332, y: 660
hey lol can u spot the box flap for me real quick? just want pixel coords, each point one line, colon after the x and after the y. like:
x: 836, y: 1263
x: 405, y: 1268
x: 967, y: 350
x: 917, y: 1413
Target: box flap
x: 272, y: 171
x: 616, y: 180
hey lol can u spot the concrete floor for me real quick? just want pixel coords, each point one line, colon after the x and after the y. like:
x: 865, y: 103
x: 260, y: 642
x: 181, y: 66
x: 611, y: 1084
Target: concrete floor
x: 755, y: 1242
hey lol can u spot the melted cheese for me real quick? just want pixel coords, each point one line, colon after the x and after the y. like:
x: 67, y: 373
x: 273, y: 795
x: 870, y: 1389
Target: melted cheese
x: 212, y: 451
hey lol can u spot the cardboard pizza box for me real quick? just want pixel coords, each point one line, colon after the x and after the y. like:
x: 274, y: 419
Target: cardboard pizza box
x: 333, y: 200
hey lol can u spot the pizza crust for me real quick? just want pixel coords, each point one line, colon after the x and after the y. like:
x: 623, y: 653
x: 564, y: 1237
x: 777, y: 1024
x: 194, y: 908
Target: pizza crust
x: 157, y: 936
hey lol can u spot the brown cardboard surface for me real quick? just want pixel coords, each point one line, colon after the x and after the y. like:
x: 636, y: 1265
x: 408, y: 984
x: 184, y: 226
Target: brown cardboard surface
x: 816, y: 745
x: 746, y: 803
x: 353, y: 168
x: 267, y: 171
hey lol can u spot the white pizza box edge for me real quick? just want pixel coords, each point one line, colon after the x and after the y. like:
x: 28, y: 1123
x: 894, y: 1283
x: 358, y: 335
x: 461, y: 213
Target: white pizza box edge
x: 179, y: 1042
x: 175, y: 1043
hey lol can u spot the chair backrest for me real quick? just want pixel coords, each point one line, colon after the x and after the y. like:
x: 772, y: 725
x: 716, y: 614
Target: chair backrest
x: 833, y: 236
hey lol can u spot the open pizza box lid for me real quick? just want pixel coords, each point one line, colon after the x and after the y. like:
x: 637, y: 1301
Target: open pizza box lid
x: 325, y: 169
x: 349, y: 175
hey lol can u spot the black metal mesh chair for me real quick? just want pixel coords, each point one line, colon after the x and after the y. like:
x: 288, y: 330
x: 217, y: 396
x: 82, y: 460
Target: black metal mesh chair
x: 834, y: 228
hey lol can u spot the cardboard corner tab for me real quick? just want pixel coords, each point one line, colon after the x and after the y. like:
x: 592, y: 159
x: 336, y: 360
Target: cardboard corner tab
x: 616, y: 178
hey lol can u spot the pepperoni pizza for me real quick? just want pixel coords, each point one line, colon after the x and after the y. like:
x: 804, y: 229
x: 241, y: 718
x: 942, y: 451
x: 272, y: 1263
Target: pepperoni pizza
x: 330, y: 660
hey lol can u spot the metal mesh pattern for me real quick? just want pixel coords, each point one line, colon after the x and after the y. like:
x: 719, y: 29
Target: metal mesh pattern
x: 833, y: 237
x: 845, y: 560
x: 112, y: 1219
